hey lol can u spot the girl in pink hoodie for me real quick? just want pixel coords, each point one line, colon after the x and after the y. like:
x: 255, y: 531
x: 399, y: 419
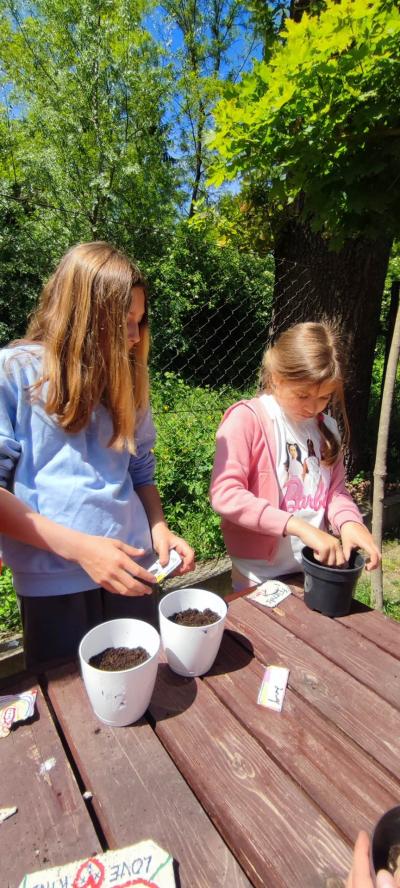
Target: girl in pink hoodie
x: 269, y: 513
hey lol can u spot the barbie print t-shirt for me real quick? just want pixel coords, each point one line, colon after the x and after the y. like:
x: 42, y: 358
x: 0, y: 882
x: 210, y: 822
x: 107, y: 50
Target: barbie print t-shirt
x: 304, y: 485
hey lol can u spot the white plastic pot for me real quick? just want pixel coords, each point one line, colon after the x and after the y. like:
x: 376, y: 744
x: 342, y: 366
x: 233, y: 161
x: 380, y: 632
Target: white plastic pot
x: 191, y: 650
x: 120, y: 698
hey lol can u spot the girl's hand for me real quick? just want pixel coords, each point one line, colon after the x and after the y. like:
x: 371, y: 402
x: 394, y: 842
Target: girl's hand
x: 164, y: 540
x: 110, y: 564
x: 357, y: 536
x: 360, y: 874
x: 326, y: 548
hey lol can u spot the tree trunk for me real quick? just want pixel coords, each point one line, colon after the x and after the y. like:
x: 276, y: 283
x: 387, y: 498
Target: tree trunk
x: 381, y: 457
x: 313, y: 282
x: 393, y: 309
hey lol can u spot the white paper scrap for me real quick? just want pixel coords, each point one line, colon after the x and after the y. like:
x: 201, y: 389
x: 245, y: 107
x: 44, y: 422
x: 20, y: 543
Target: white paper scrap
x: 270, y: 593
x: 273, y: 687
x: 5, y: 813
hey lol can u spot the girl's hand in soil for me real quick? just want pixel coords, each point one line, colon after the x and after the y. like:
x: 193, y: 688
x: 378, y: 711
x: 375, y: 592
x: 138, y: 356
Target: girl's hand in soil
x: 110, y: 564
x: 327, y: 548
x: 357, y: 536
x: 164, y: 540
x: 360, y: 874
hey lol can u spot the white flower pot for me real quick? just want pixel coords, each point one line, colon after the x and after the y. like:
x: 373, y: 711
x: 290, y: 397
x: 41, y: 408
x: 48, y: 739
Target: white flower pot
x: 191, y: 650
x: 120, y: 698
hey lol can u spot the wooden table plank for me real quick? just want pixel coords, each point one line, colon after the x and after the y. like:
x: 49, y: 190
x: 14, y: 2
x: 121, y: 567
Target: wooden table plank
x: 52, y: 825
x: 343, y: 780
x: 372, y: 624
x: 377, y: 627
x: 281, y: 838
x: 342, y: 645
x: 138, y: 793
x: 371, y: 722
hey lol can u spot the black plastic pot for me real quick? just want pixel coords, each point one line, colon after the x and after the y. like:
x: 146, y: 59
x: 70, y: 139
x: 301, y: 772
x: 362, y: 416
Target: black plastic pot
x: 385, y: 836
x: 329, y: 590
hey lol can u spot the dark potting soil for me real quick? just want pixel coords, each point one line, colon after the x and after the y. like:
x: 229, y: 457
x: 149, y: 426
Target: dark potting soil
x: 194, y: 617
x: 117, y: 659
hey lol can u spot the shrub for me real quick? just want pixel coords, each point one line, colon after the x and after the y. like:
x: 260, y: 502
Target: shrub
x: 9, y: 612
x: 186, y: 418
x: 210, y: 310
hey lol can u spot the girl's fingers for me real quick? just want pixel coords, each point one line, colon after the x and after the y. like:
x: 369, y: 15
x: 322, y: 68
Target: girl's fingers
x: 333, y: 556
x: 361, y: 874
x: 116, y: 587
x: 340, y: 557
x: 135, y: 572
x: 374, y: 560
x: 126, y: 584
x: 385, y: 880
x: 187, y: 554
x: 163, y: 553
x: 347, y: 551
x: 128, y: 571
x: 130, y: 550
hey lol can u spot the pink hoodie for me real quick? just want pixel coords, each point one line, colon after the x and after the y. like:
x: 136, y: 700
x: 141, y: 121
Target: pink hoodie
x: 244, y: 486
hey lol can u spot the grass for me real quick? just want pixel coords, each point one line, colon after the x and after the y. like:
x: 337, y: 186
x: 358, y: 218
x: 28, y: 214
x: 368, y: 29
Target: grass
x: 391, y: 579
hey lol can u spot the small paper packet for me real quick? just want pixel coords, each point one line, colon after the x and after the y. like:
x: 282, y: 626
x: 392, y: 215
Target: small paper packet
x: 273, y: 687
x: 5, y: 813
x: 144, y: 864
x: 15, y: 707
x: 270, y: 593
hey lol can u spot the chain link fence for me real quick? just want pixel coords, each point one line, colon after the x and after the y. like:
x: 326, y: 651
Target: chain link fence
x: 206, y: 355
x: 219, y: 345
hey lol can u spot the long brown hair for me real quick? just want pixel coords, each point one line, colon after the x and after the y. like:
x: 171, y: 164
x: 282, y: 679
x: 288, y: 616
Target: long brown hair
x: 311, y: 353
x: 81, y: 320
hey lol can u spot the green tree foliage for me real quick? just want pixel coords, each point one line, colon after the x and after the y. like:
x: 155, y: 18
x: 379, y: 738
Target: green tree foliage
x: 84, y: 101
x: 211, y: 309
x: 203, y: 37
x: 319, y: 123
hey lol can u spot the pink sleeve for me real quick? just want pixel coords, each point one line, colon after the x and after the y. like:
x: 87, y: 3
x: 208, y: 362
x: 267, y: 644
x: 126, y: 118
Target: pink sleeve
x: 239, y: 446
x: 340, y: 506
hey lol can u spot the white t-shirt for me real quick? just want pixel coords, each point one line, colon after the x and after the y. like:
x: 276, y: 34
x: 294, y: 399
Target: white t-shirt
x: 304, y: 485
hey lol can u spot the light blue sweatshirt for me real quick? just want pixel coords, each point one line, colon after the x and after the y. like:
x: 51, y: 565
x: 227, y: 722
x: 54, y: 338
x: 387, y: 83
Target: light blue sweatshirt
x: 75, y: 479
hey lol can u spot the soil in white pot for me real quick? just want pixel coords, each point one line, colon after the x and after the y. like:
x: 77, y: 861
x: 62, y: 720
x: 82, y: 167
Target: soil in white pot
x: 194, y: 617
x: 117, y: 659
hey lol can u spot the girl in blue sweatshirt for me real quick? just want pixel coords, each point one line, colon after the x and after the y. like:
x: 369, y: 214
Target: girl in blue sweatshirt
x: 76, y: 445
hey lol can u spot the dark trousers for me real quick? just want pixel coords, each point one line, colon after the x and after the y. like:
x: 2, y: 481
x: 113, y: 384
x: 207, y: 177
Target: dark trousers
x: 54, y: 625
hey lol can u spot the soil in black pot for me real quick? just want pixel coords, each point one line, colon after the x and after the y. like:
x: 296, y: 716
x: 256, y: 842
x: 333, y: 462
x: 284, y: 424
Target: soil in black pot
x: 194, y: 617
x: 117, y: 659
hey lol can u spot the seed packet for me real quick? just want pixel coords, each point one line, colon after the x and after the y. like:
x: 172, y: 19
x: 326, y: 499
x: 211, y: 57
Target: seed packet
x: 15, y: 707
x: 270, y: 593
x: 273, y: 687
x: 144, y: 864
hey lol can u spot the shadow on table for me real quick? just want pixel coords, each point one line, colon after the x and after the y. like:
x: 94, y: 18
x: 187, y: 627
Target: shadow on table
x: 172, y: 693
x: 357, y: 607
x: 175, y: 865
x: 235, y: 653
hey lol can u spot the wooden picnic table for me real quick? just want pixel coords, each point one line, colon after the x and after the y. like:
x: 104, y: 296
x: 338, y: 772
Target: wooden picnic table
x: 239, y: 794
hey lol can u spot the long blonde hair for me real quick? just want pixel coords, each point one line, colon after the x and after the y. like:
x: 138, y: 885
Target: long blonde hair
x: 81, y: 320
x: 311, y: 353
